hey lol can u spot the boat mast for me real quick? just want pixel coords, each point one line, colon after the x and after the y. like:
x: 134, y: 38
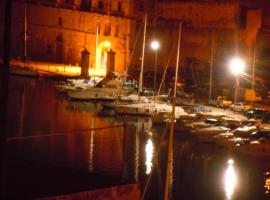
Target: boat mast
x: 211, y: 65
x: 170, y: 145
x: 141, y: 73
x: 25, y: 33
x: 96, y: 52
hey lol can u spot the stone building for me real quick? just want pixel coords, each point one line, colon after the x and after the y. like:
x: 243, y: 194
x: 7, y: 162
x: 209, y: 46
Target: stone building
x: 59, y: 31
x: 230, y: 26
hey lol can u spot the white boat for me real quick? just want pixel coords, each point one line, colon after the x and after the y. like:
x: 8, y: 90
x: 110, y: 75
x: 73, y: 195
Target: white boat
x: 242, y: 135
x: 139, y: 108
x: 125, y: 100
x: 77, y: 84
x: 231, y: 138
x: 206, y: 133
x: 202, y: 124
x: 105, y: 90
x: 204, y: 115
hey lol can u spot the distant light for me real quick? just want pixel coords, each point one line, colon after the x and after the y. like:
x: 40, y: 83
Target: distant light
x: 155, y: 45
x: 237, y: 66
x: 229, y: 179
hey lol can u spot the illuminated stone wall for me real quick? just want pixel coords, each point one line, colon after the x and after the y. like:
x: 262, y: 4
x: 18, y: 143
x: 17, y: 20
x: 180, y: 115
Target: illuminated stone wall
x: 60, y: 34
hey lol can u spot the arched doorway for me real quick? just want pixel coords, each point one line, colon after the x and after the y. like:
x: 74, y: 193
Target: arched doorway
x: 102, y: 57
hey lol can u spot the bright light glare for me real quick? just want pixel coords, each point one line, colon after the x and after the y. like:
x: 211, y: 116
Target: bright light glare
x: 229, y: 179
x: 107, y: 44
x: 230, y: 162
x: 155, y: 45
x: 237, y: 66
x: 149, y: 155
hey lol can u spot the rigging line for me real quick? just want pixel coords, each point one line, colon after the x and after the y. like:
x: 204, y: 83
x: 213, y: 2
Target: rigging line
x: 142, y: 58
x: 154, y: 161
x: 133, y: 50
x: 247, y: 79
x: 59, y: 133
x: 164, y: 73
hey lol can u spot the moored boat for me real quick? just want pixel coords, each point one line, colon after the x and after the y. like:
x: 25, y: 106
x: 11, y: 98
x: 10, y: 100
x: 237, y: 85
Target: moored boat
x: 105, y: 90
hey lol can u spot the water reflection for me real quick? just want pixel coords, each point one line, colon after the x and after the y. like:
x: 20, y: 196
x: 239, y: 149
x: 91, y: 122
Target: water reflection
x: 149, y: 149
x: 230, y: 179
x: 137, y: 156
x: 62, y: 137
x: 83, y: 106
x: 140, y: 123
x: 91, y: 147
x: 267, y: 182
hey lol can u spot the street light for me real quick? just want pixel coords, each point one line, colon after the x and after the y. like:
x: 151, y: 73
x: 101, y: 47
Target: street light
x: 237, y: 66
x: 155, y: 47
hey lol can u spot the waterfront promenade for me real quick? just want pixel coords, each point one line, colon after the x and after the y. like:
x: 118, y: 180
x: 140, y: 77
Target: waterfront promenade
x: 49, y: 69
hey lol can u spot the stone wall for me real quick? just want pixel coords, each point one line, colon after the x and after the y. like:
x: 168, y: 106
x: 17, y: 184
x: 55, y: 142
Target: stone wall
x: 200, y: 20
x: 203, y: 15
x: 59, y: 35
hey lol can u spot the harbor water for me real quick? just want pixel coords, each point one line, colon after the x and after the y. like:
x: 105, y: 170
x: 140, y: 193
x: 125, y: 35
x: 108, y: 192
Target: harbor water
x: 55, y: 146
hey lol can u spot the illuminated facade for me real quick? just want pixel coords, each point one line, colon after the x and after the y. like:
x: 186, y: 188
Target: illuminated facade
x: 58, y: 31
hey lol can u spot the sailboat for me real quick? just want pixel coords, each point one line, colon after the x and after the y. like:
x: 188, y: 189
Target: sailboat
x: 141, y: 106
x: 23, y: 70
x: 105, y: 90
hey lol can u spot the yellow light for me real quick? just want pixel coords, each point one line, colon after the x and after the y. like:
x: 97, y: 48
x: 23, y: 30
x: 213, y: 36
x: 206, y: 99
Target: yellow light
x: 230, y: 179
x: 237, y: 66
x: 107, y: 44
x: 97, y: 72
x: 101, y: 59
x: 267, y: 182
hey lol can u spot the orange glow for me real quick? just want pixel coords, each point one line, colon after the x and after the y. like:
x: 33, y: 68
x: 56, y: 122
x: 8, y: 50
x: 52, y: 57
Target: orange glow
x: 97, y: 72
x: 60, y: 69
x: 101, y: 59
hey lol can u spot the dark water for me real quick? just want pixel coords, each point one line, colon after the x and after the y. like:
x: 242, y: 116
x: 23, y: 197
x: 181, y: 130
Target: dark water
x: 52, y: 148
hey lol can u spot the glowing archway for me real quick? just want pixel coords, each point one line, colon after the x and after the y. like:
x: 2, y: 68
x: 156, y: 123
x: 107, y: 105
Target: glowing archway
x: 101, y: 58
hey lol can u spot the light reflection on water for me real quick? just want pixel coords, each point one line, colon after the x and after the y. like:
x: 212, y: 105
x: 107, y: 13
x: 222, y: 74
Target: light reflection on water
x: 230, y: 179
x: 120, y: 152
x: 267, y: 182
x: 149, y: 148
x: 91, y: 147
